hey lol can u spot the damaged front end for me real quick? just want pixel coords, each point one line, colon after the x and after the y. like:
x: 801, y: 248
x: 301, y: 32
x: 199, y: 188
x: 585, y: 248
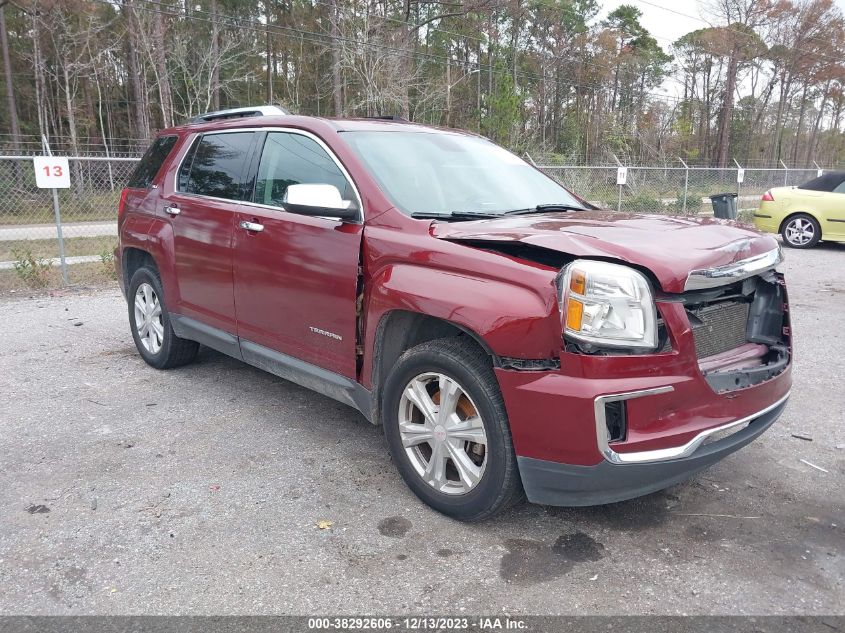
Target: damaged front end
x: 738, y: 331
x: 741, y: 331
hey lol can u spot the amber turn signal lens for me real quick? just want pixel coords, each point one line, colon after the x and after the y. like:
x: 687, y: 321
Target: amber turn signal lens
x: 578, y: 282
x: 574, y: 312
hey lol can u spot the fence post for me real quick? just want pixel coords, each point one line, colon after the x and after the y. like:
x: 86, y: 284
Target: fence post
x: 785, y: 173
x: 619, y: 201
x: 58, y: 215
x: 686, y: 184
x: 819, y: 170
x: 740, y: 175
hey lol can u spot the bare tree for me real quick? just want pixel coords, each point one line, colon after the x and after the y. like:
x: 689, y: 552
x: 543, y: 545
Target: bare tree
x: 11, y: 101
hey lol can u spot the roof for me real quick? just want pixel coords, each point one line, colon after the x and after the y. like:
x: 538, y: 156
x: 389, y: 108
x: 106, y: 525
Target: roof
x: 202, y: 123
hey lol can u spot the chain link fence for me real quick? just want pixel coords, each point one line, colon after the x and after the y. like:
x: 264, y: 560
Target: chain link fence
x: 29, y: 238
x: 674, y: 190
x: 29, y: 235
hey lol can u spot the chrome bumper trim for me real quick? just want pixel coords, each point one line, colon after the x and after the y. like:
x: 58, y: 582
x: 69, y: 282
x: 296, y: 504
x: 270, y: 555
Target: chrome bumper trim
x: 661, y: 454
x: 729, y: 273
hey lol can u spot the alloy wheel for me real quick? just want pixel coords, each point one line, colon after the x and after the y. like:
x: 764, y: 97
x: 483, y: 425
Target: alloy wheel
x: 442, y: 433
x: 148, y: 318
x: 800, y: 231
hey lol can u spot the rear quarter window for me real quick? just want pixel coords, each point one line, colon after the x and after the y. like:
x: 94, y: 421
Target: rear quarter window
x: 216, y: 166
x: 151, y: 163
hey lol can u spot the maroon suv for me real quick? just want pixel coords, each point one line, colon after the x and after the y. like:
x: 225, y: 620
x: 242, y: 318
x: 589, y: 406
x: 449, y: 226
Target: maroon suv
x: 508, y: 336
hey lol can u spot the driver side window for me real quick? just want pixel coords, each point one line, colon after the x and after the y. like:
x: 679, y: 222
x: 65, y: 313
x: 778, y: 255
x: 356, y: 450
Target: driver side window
x: 292, y: 159
x: 840, y: 188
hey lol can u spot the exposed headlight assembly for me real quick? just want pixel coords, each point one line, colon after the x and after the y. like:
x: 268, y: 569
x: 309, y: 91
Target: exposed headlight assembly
x: 607, y: 305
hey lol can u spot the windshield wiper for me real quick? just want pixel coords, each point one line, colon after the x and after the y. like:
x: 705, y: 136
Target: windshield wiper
x: 543, y: 208
x: 455, y: 215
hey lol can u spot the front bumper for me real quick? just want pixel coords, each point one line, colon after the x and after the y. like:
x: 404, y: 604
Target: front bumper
x: 552, y: 483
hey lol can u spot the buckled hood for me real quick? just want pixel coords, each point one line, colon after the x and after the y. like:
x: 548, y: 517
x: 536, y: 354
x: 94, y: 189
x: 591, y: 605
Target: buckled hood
x: 670, y: 247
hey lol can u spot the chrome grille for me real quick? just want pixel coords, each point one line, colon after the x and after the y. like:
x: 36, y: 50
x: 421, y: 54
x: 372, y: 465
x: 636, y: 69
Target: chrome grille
x: 719, y: 327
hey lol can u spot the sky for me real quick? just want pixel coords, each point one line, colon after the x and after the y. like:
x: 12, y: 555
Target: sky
x: 667, y: 20
x: 668, y: 25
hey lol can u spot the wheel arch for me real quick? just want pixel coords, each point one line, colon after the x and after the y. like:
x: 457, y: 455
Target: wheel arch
x: 398, y: 331
x: 133, y: 259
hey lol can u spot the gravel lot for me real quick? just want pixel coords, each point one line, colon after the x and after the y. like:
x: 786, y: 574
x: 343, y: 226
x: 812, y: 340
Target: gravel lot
x: 125, y: 490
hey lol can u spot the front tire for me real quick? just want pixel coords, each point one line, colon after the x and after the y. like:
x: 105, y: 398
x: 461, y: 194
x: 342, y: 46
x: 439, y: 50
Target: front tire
x: 447, y: 430
x: 149, y: 321
x: 801, y: 231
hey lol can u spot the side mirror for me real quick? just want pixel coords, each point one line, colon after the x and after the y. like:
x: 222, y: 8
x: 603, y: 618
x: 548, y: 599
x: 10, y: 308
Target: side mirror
x: 318, y: 200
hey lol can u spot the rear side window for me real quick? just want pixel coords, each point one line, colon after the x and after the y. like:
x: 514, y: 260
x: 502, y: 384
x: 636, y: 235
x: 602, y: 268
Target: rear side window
x: 216, y: 166
x: 147, y: 169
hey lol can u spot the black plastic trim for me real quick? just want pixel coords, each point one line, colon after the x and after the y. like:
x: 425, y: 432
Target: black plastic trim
x: 722, y: 381
x: 305, y: 374
x: 316, y: 378
x: 215, y: 338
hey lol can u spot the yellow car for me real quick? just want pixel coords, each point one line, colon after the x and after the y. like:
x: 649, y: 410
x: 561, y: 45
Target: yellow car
x: 805, y: 214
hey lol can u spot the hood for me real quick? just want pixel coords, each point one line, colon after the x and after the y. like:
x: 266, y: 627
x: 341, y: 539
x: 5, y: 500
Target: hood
x: 670, y: 247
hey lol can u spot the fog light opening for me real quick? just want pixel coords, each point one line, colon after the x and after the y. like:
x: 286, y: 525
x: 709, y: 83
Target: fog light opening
x: 615, y: 417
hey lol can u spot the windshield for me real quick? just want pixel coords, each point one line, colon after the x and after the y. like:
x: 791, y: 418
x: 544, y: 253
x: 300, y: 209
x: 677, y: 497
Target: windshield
x: 441, y: 173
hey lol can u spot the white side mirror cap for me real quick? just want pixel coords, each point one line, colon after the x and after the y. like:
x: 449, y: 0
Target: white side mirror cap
x: 310, y: 195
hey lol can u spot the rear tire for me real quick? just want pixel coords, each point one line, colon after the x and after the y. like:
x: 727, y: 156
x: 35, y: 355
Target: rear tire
x: 150, y: 324
x: 465, y: 430
x: 801, y: 231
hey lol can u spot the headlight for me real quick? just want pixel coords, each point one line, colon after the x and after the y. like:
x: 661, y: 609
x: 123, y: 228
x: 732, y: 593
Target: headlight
x: 607, y: 305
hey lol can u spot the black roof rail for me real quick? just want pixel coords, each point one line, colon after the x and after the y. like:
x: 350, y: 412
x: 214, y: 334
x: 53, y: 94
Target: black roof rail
x: 236, y: 113
x: 388, y: 117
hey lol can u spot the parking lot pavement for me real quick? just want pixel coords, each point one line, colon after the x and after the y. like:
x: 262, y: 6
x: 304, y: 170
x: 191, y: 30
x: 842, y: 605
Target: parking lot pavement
x: 129, y: 490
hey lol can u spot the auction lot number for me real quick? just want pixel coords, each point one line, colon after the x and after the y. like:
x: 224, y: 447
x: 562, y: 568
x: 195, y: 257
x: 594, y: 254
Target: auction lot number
x: 51, y: 172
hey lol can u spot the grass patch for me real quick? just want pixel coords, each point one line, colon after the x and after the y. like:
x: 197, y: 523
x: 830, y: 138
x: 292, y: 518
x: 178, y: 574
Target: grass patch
x: 92, y: 274
x: 48, y: 249
x: 36, y: 207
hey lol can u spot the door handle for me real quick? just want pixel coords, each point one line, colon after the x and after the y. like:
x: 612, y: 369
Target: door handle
x: 254, y: 227
x: 172, y: 210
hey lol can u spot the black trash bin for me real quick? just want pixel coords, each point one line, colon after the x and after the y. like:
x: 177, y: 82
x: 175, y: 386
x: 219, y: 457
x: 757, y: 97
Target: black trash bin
x: 724, y: 205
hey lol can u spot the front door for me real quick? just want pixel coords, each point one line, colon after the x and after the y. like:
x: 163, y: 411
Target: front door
x: 202, y: 209
x: 833, y: 213
x: 296, y: 276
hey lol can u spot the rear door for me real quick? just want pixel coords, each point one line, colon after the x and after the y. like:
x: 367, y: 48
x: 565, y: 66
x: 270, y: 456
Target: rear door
x: 296, y: 276
x: 202, y: 208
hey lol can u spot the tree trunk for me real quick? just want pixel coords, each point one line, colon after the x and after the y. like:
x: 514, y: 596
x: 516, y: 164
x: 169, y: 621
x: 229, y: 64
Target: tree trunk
x: 777, y: 138
x: 269, y: 44
x: 723, y: 141
x: 11, y: 102
x: 139, y: 95
x: 337, y: 84
x: 800, y: 125
x: 164, y: 91
x: 811, y: 146
x: 71, y: 121
x: 215, y: 56
x: 405, y: 63
x: 448, y: 88
x: 40, y: 87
